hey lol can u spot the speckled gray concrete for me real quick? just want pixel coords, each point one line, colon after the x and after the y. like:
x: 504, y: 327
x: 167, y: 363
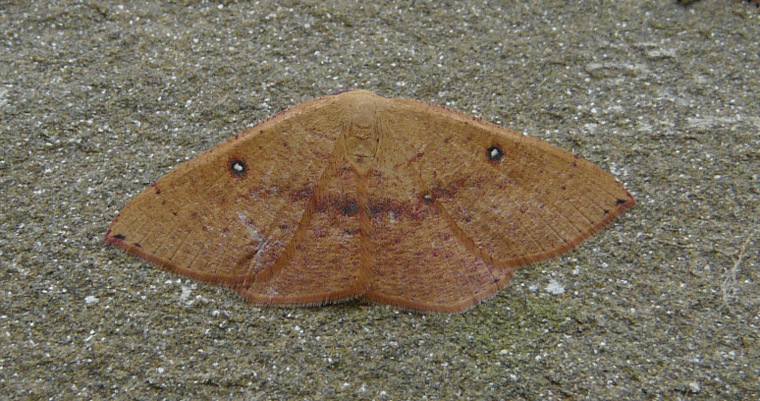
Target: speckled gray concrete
x: 97, y: 101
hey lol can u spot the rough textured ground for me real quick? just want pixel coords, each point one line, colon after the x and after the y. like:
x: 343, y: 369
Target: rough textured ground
x: 98, y: 99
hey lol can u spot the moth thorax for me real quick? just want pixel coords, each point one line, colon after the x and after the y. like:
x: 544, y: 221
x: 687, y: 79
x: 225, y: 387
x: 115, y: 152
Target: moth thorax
x: 362, y: 137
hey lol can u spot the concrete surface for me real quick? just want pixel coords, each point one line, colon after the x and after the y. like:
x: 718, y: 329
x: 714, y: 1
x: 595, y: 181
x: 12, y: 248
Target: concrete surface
x: 99, y: 99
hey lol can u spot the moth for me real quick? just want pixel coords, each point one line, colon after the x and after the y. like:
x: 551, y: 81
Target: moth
x: 356, y: 196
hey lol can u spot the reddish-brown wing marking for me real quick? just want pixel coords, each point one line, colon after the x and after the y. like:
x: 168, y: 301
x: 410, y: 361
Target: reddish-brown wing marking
x: 358, y: 196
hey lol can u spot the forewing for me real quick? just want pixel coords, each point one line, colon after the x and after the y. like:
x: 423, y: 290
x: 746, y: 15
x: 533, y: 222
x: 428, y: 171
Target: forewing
x: 512, y: 199
x: 232, y: 211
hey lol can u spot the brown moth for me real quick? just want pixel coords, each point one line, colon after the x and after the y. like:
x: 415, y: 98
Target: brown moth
x: 355, y: 196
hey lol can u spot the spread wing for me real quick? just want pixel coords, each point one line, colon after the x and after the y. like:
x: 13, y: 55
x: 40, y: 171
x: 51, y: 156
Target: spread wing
x: 232, y: 212
x: 480, y: 201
